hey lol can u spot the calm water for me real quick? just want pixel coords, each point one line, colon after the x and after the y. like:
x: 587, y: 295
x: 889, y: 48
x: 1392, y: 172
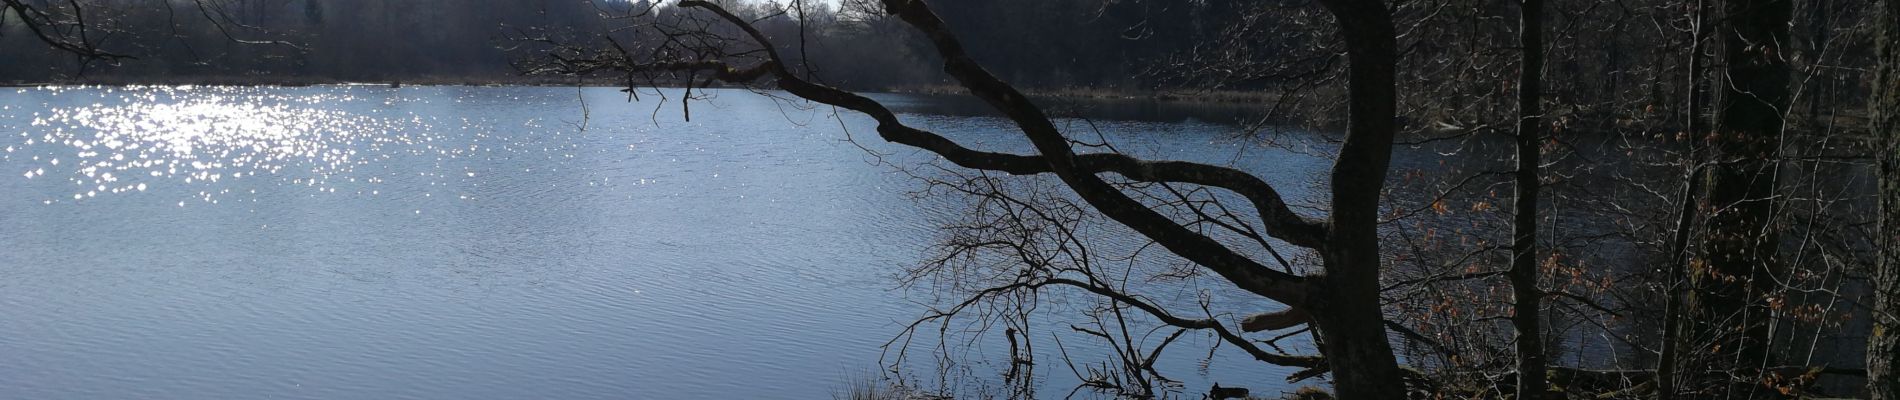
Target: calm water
x: 471, y: 243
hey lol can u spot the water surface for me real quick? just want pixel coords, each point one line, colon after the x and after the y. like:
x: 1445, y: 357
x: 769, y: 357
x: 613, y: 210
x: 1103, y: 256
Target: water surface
x: 469, y: 243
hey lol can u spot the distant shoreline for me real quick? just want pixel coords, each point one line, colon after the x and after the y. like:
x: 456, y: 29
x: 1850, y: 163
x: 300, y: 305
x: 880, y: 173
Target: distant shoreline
x: 1165, y: 95
x: 262, y: 80
x: 1074, y: 93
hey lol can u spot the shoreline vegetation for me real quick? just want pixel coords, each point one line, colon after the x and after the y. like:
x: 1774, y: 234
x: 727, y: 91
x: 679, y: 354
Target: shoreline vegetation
x: 870, y: 387
x: 1164, y: 95
x: 1706, y: 209
x: 1846, y: 121
x: 1206, y: 96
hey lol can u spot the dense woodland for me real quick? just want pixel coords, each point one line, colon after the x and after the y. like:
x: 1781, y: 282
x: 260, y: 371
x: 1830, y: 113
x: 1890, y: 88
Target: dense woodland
x: 1046, y: 44
x: 1592, y: 199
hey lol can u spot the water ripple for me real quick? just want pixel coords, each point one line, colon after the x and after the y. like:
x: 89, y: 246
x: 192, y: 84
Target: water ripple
x: 186, y: 136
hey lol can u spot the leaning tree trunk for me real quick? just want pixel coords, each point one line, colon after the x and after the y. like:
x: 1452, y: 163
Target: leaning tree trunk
x: 1883, y: 346
x: 1740, y: 244
x: 1527, y: 299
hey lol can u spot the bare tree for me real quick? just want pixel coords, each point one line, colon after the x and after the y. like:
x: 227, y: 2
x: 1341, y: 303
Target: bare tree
x: 1342, y: 303
x: 112, y: 32
x: 1679, y: 250
x: 63, y: 26
x: 1527, y: 299
x: 1739, y: 248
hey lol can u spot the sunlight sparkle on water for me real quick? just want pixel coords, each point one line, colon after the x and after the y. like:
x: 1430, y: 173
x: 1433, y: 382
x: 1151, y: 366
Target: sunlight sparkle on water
x: 207, y: 136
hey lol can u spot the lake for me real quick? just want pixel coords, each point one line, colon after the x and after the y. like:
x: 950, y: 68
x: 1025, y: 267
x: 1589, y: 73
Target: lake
x: 489, y: 243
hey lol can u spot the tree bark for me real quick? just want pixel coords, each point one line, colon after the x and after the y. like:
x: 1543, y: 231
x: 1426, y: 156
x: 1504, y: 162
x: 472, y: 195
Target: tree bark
x: 1739, y: 245
x: 1883, y: 345
x: 1347, y: 311
x: 1526, y: 297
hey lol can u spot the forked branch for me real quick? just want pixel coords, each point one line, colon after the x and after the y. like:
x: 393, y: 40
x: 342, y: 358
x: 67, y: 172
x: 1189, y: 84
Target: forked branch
x: 1056, y: 156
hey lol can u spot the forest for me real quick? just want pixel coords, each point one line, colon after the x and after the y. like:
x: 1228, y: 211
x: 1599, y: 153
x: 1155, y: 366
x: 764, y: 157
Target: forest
x: 1628, y: 199
x: 1118, y: 46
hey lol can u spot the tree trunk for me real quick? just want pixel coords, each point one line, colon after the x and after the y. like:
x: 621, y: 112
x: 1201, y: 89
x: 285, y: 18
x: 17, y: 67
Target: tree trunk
x: 1347, y: 310
x: 1344, y: 300
x: 1673, y: 305
x: 1740, y: 244
x: 1527, y: 298
x: 1883, y: 345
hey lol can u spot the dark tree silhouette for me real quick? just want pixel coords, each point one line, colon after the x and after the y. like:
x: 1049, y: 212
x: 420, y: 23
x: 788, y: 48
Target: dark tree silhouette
x: 1739, y: 248
x: 1679, y: 191
x: 1342, y: 303
x: 1527, y: 299
x: 1883, y: 345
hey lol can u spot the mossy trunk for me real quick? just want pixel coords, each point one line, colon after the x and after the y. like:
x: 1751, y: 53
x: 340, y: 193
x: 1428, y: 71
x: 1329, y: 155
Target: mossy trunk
x: 1883, y: 344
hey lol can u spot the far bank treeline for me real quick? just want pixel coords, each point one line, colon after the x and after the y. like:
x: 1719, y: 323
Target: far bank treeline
x: 1601, y: 199
x: 1102, y: 44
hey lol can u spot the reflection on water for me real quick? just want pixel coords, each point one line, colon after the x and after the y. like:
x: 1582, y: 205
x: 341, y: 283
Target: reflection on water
x: 181, y: 136
x: 455, y: 242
